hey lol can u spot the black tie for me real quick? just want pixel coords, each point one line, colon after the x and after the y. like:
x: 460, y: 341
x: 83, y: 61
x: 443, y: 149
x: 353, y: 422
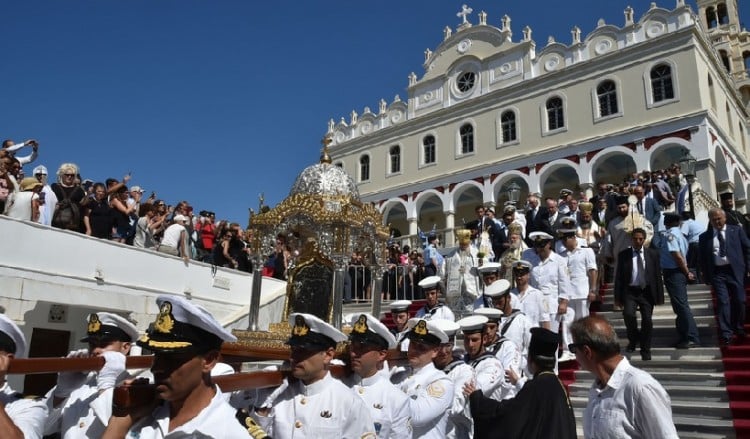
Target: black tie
x: 641, y: 270
x: 640, y: 209
x: 722, y: 244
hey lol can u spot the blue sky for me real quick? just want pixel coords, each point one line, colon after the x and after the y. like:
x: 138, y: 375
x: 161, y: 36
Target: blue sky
x: 216, y: 101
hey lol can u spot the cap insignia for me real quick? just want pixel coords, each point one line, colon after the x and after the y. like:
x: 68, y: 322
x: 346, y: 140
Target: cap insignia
x: 421, y: 328
x: 94, y: 323
x: 361, y: 326
x: 300, y: 327
x: 164, y: 321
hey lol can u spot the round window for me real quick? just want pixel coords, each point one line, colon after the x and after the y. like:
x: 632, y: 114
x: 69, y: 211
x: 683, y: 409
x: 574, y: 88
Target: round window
x: 466, y: 81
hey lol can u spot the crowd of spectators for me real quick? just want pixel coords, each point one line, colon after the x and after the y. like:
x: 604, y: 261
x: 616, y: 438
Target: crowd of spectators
x: 113, y: 211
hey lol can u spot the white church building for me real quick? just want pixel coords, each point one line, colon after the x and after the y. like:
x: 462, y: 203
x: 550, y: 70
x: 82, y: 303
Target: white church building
x: 491, y: 108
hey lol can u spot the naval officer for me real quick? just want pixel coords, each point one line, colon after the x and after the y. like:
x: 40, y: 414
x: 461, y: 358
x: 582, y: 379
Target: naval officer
x: 19, y: 417
x: 368, y: 348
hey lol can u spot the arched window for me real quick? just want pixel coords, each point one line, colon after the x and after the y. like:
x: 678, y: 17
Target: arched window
x: 725, y: 60
x: 364, y: 168
x: 467, y: 138
x: 508, y: 126
x: 711, y: 17
x: 721, y: 14
x: 746, y: 60
x: 661, y: 83
x: 395, y: 159
x: 711, y: 92
x: 606, y: 93
x: 555, y: 117
x: 428, y: 149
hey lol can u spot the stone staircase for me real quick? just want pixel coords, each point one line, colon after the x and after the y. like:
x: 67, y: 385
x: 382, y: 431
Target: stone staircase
x: 694, y: 378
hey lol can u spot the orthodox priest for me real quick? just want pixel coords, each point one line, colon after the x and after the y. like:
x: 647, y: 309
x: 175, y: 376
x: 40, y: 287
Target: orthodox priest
x: 541, y: 409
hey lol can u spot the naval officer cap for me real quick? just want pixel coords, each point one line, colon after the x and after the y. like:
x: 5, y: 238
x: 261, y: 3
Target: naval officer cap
x: 312, y: 333
x: 489, y: 268
x: 12, y: 340
x: 472, y: 324
x: 493, y: 314
x: 106, y: 327
x: 183, y: 326
x: 399, y: 306
x: 540, y: 238
x: 521, y: 267
x: 425, y: 332
x: 367, y: 329
x: 429, y: 283
x: 498, y: 288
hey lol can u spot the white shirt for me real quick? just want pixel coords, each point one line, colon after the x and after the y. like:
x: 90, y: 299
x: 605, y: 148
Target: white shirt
x: 430, y: 393
x: 580, y: 260
x: 388, y: 406
x: 550, y: 277
x: 517, y: 328
x: 490, y: 375
x: 532, y: 303
x: 216, y: 420
x: 84, y: 414
x: 632, y: 404
x: 460, y: 423
x: 171, y: 236
x: 718, y: 260
x: 28, y: 414
x: 439, y: 312
x: 326, y: 408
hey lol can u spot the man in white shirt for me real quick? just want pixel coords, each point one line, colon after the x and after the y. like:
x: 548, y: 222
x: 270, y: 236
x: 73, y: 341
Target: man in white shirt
x: 450, y: 360
x: 530, y: 300
x: 185, y: 339
x: 19, y: 417
x: 488, y: 368
x: 368, y: 349
x: 624, y: 401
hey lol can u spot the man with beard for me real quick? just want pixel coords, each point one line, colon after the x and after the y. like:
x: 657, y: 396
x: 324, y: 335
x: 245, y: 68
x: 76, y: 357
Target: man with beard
x: 185, y: 339
x: 540, y: 410
x: 462, y: 282
x: 430, y: 391
x: 450, y: 360
x: 515, y: 249
x: 314, y: 404
x: 368, y: 349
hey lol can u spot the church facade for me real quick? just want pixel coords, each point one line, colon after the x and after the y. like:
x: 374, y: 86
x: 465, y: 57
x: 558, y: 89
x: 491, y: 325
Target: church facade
x: 492, y: 109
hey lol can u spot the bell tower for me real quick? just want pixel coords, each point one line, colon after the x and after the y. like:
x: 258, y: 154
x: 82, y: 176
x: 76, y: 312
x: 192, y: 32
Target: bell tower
x: 721, y: 20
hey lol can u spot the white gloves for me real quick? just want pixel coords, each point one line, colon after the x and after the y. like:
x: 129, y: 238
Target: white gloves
x: 67, y: 382
x: 114, y: 366
x: 264, y: 398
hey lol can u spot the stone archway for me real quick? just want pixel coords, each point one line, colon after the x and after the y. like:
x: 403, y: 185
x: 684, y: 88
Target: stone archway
x: 721, y: 168
x: 465, y: 200
x: 613, y: 167
x: 667, y: 155
x: 430, y: 212
x: 500, y: 188
x: 394, y: 216
x: 557, y: 176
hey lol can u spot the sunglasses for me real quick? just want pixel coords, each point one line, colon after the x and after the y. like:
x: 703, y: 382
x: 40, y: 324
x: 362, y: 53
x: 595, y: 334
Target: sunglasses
x: 573, y: 347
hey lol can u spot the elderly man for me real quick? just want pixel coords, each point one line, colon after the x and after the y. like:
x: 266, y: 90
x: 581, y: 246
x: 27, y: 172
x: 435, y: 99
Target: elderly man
x: 81, y: 404
x: 624, y: 401
x: 462, y: 283
x: 724, y: 255
x: 368, y: 349
x: 19, y: 417
x: 185, y: 339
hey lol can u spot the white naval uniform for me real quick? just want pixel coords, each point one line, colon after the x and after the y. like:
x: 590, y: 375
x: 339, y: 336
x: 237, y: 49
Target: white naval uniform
x: 517, y: 328
x: 531, y: 303
x: 632, y: 404
x: 439, y: 312
x: 509, y: 356
x: 460, y: 423
x: 28, y: 414
x: 490, y: 375
x: 483, y: 300
x: 215, y: 421
x: 389, y: 407
x: 86, y: 412
x: 551, y: 278
x: 579, y: 261
x: 326, y: 408
x: 430, y: 393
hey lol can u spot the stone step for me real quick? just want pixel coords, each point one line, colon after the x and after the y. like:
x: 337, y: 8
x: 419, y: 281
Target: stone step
x: 693, y: 393
x: 717, y: 410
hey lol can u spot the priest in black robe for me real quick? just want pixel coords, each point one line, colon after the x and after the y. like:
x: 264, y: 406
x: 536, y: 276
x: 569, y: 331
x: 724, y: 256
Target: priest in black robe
x: 541, y: 409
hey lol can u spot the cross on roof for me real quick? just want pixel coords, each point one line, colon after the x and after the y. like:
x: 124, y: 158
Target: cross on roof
x: 465, y: 10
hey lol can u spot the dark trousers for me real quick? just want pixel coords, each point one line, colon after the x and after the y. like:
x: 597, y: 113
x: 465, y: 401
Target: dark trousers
x: 675, y: 283
x: 636, y: 299
x: 692, y: 261
x: 730, y: 301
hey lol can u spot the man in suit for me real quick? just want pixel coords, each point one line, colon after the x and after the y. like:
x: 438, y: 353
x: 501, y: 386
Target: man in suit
x: 648, y: 207
x: 534, y: 214
x: 638, y: 286
x: 724, y: 255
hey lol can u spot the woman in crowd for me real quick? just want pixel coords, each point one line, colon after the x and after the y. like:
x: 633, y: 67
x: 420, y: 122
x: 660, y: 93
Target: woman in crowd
x: 97, y: 217
x: 6, y: 184
x: 25, y: 203
x: 121, y: 212
x: 145, y: 226
x: 70, y: 196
